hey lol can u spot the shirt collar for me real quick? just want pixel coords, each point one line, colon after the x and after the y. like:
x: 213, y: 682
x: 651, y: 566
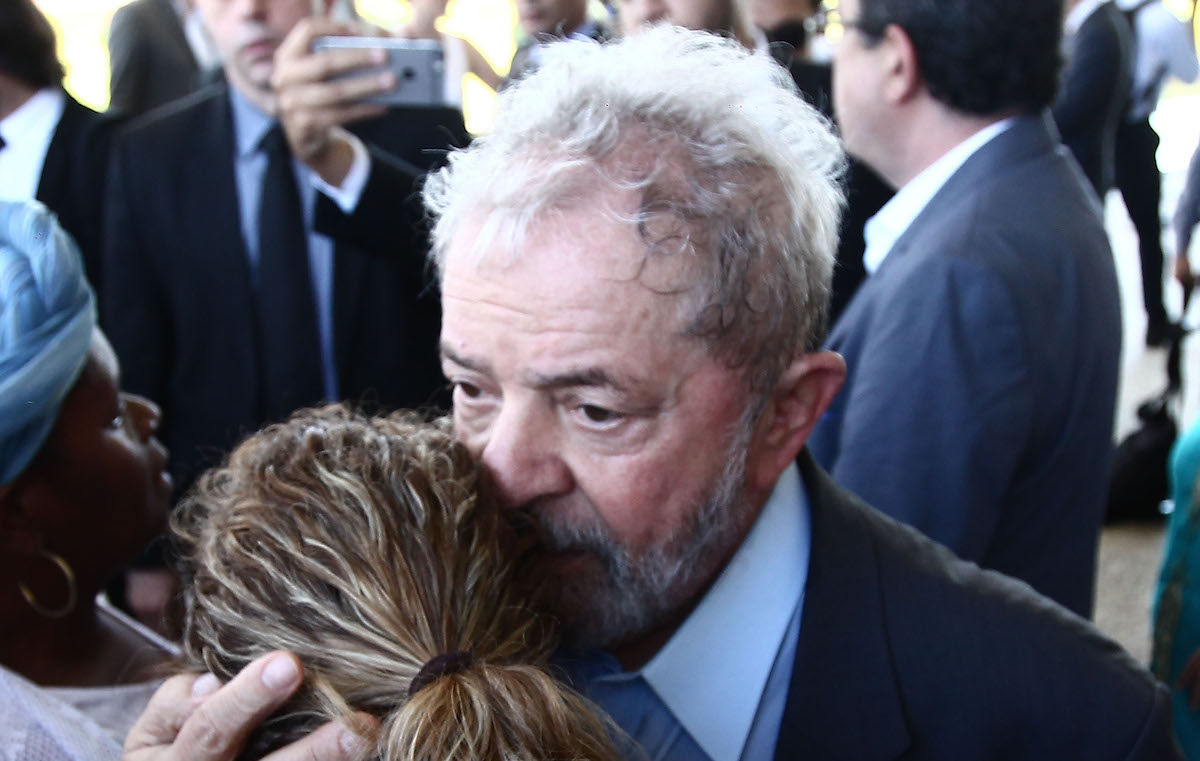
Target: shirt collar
x: 1079, y: 14
x: 742, y: 618
x: 250, y: 124
x: 37, y: 116
x: 897, y: 215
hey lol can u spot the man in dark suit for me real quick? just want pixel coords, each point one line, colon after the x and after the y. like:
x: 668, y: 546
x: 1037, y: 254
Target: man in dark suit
x: 1095, y: 86
x: 631, y: 272
x: 229, y: 320
x: 152, y: 59
x: 543, y: 21
x: 982, y: 353
x: 53, y: 148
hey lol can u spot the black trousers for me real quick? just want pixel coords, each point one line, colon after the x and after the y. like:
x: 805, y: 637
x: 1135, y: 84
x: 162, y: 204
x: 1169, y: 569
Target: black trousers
x: 1140, y: 184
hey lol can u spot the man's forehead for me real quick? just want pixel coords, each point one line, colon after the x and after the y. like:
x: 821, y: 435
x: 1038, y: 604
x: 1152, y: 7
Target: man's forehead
x: 598, y: 236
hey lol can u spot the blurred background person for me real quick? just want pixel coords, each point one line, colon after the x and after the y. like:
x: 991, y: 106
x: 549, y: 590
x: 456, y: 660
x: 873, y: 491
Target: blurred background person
x: 52, y: 148
x: 83, y: 487
x: 727, y: 17
x: 1175, y: 656
x: 793, y: 23
x: 460, y: 55
x: 1094, y: 88
x: 158, y: 51
x: 1184, y: 221
x: 542, y: 21
x: 983, y: 351
x: 360, y: 545
x: 1163, y: 49
x: 259, y: 256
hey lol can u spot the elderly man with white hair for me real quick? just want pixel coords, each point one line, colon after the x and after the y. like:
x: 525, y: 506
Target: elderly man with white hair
x: 634, y: 270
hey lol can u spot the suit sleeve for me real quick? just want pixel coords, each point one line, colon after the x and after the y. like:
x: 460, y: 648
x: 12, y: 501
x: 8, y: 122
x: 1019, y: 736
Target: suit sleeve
x: 938, y: 405
x: 1091, y: 76
x: 390, y: 216
x: 127, y: 78
x: 388, y: 210
x: 133, y: 308
x: 1157, y: 739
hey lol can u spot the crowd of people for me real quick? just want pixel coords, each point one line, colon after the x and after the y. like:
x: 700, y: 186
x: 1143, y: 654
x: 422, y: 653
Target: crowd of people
x: 779, y: 344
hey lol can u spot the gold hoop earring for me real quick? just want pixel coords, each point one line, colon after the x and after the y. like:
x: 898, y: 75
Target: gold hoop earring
x: 66, y: 607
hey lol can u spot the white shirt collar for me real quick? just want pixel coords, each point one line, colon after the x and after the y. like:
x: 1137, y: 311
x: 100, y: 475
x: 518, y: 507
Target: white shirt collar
x: 897, y: 215
x: 28, y: 132
x: 1079, y: 14
x: 712, y: 672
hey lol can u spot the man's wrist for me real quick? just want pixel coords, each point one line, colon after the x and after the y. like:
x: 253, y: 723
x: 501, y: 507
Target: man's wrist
x: 343, y: 177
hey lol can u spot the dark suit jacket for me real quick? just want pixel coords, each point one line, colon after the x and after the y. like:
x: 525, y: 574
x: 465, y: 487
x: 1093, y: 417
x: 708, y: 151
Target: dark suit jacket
x: 179, y: 306
x: 908, y: 653
x: 982, y: 363
x: 72, y: 181
x: 1094, y: 92
x: 151, y: 60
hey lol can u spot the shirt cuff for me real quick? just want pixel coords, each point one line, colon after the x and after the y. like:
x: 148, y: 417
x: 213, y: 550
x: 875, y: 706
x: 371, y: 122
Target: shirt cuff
x: 346, y: 197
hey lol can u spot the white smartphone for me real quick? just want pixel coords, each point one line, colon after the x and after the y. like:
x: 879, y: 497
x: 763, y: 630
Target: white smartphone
x: 418, y: 65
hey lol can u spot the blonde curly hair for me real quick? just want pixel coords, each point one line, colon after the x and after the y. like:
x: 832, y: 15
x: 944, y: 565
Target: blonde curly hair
x: 360, y: 544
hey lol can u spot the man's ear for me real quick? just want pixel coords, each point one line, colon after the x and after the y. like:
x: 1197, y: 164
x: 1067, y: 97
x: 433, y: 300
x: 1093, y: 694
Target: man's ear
x: 903, y: 69
x: 804, y: 391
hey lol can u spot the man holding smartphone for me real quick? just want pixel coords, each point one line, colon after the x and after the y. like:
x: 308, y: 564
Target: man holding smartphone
x: 240, y: 282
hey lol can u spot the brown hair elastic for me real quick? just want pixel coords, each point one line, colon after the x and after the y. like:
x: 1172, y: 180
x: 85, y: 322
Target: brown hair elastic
x: 439, y: 666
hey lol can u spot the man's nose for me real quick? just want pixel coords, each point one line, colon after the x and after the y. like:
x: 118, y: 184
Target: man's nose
x: 250, y: 9
x: 652, y: 11
x: 522, y: 458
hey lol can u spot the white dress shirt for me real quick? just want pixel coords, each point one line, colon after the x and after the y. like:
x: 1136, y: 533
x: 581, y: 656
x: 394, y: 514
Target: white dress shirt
x: 889, y: 223
x: 27, y: 133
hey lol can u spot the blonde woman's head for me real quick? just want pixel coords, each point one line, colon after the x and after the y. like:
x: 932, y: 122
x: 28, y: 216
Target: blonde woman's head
x: 360, y: 545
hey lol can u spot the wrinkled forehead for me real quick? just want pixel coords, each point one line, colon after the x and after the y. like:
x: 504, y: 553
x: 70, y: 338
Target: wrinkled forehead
x: 620, y: 229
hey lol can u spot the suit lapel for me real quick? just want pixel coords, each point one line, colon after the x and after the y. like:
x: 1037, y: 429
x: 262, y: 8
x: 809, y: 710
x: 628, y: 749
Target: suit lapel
x: 215, y: 229
x: 54, y: 184
x: 349, y: 269
x: 843, y: 701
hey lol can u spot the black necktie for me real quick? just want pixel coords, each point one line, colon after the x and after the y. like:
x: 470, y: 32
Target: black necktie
x: 290, y: 343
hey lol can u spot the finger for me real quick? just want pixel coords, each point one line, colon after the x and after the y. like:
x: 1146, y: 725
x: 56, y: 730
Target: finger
x: 299, y: 41
x: 167, y: 710
x: 337, y: 741
x: 220, y: 725
x: 325, y: 64
x: 335, y: 92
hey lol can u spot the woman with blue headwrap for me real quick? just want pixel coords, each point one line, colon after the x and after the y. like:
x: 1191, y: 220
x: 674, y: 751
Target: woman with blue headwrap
x: 82, y: 490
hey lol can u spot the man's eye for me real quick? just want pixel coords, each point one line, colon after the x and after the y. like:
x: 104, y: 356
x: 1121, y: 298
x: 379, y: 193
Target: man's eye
x: 598, y: 414
x: 468, y: 390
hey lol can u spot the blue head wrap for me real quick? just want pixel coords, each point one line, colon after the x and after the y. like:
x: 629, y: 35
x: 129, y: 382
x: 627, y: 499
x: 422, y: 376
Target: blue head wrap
x: 47, y: 313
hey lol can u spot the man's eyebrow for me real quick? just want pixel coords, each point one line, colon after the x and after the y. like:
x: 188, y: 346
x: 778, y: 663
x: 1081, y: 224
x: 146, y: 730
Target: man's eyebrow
x: 590, y: 376
x: 478, y: 366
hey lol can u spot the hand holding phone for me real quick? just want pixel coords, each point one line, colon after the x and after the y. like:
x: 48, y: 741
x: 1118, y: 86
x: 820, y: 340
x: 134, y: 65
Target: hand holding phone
x: 319, y: 91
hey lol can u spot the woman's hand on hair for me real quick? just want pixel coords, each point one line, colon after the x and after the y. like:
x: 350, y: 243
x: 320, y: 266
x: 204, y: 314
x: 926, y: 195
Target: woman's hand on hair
x: 199, y: 719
